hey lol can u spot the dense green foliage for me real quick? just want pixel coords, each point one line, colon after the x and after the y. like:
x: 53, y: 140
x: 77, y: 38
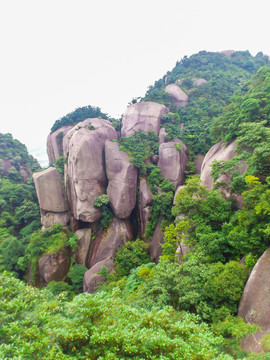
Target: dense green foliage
x: 107, y: 214
x: 140, y: 147
x: 224, y: 76
x: 16, y: 152
x: 99, y: 326
x: 19, y: 210
x: 79, y: 115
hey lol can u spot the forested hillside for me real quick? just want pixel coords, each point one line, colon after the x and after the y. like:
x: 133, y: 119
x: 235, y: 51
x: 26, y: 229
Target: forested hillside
x: 172, y: 267
x: 19, y: 211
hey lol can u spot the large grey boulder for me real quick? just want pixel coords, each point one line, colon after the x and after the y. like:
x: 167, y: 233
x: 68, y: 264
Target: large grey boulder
x: 221, y: 152
x: 85, y: 173
x: 92, y: 278
x: 108, y: 241
x: 54, y: 267
x: 122, y: 177
x: 173, y: 162
x: 155, y: 248
x: 145, y: 116
x: 84, y: 241
x: 55, y: 143
x: 144, y: 205
x: 254, y: 305
x: 51, y: 197
x: 179, y: 97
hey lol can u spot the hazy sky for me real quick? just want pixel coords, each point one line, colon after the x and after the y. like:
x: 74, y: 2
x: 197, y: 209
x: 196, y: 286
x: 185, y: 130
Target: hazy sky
x: 57, y: 55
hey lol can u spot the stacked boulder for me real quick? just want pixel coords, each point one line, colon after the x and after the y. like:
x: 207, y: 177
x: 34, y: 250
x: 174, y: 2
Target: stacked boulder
x: 94, y: 165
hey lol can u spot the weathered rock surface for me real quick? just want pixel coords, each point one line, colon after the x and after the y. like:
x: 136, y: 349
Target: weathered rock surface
x: 254, y: 306
x: 85, y: 173
x: 198, y: 163
x: 220, y: 151
x: 162, y: 135
x: 145, y: 116
x: 92, y: 278
x: 122, y: 177
x: 176, y: 192
x: 51, y: 197
x: 84, y: 241
x: 173, y: 162
x: 155, y: 248
x: 199, y: 81
x: 181, y: 251
x: 179, y: 97
x: 146, y: 199
x: 109, y: 241
x: 55, y: 143
x: 54, y: 267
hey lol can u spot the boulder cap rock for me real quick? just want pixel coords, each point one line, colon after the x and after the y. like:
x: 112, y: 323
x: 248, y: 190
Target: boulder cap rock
x: 179, y: 97
x: 145, y: 116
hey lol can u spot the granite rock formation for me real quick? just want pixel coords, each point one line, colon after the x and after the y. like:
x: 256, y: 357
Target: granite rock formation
x: 254, y: 306
x: 122, y: 177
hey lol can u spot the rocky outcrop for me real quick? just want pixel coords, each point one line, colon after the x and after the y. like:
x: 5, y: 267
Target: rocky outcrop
x: 85, y: 173
x: 228, y: 53
x: 122, y: 177
x: 221, y: 152
x: 254, y: 306
x: 173, y: 162
x: 6, y: 165
x: 103, y: 250
x: 92, y: 279
x: 145, y: 116
x: 181, y: 251
x: 109, y: 241
x: 51, y: 197
x: 54, y: 267
x: 155, y: 248
x: 55, y: 143
x: 179, y: 97
x: 162, y: 136
x: 84, y: 241
x: 198, y: 161
x: 199, y: 81
x: 146, y: 199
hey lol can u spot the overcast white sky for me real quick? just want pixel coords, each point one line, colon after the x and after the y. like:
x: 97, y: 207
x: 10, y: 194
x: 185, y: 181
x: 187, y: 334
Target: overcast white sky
x: 57, y: 55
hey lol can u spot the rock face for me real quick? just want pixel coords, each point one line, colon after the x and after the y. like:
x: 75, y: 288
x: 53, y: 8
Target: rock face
x: 162, y: 135
x: 155, y: 248
x: 84, y: 236
x: 103, y: 250
x: 92, y: 278
x: 109, y: 241
x: 199, y: 81
x: 173, y: 162
x: 51, y: 197
x: 55, y: 143
x: 145, y: 116
x: 85, y: 173
x: 220, y: 151
x: 254, y: 306
x: 198, y: 163
x: 54, y: 267
x: 179, y: 97
x: 122, y: 177
x: 146, y: 199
